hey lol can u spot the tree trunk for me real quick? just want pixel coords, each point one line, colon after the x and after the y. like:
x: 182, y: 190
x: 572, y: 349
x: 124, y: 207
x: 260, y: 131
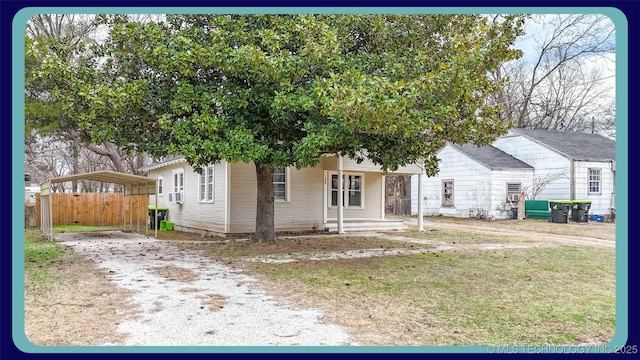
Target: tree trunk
x: 265, y: 228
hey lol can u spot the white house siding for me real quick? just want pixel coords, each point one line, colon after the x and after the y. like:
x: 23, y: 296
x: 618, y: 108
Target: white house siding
x: 500, y: 207
x: 475, y: 187
x: 193, y: 215
x: 302, y: 211
x: 471, y: 185
x: 600, y: 203
x: 545, y: 161
x: 372, y: 199
x: 329, y: 162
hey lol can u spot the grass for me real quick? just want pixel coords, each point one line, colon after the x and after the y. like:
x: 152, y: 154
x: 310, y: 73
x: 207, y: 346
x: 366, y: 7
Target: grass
x: 79, y: 228
x: 456, y: 236
x: 235, y: 249
x: 532, y: 296
x: 560, y: 295
x: 43, y: 259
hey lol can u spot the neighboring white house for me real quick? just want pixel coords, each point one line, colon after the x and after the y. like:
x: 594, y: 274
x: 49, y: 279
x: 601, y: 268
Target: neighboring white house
x: 474, y: 181
x: 562, y: 166
x: 223, y: 199
x: 583, y: 165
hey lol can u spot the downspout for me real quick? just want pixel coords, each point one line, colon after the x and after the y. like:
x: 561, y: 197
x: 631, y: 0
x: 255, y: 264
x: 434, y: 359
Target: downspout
x: 572, y: 176
x: 613, y: 194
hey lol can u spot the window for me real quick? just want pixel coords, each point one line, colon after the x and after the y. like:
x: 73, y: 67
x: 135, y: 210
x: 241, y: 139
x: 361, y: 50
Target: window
x: 205, y: 182
x: 159, y: 183
x: 280, y: 184
x: 595, y: 179
x: 447, y: 192
x: 178, y: 180
x: 513, y: 192
x: 353, y: 187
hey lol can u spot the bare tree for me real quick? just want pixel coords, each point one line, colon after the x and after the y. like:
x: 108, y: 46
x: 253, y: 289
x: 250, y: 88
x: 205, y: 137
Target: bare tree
x: 542, y: 182
x: 557, y: 84
x: 47, y: 129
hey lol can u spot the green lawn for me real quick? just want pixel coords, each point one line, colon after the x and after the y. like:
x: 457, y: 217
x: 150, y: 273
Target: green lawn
x: 554, y: 295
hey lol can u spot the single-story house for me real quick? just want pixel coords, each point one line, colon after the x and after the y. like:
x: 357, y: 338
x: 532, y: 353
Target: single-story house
x: 475, y: 182
x: 578, y: 166
x: 222, y: 200
x: 552, y: 166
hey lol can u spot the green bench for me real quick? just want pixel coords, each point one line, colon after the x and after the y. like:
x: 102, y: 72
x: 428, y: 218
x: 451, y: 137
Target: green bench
x: 537, y: 209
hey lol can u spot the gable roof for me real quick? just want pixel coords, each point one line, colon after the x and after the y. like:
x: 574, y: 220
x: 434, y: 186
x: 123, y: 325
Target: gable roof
x: 163, y: 162
x: 576, y: 146
x: 491, y: 157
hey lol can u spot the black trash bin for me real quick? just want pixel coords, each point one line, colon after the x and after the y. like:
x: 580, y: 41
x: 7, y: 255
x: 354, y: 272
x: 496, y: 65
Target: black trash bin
x: 560, y: 210
x: 580, y: 210
x: 162, y: 214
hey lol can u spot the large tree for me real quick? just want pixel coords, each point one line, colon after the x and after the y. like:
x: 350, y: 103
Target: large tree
x: 50, y: 130
x: 280, y: 90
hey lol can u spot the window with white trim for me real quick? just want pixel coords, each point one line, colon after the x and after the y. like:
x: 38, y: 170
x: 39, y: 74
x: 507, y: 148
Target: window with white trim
x: 159, y: 184
x: 280, y: 178
x: 353, y: 185
x: 205, y: 184
x: 178, y: 180
x: 447, y: 193
x: 595, y: 181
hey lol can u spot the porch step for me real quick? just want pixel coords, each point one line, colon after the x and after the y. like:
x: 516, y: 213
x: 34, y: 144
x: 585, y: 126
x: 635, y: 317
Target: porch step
x: 386, y: 225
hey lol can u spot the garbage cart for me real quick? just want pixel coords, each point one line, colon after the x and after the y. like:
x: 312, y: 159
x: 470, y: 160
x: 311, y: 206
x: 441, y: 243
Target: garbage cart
x: 162, y: 214
x: 560, y: 210
x: 580, y: 210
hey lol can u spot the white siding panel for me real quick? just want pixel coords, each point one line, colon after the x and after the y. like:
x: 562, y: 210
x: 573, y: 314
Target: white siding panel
x: 373, y: 198
x: 301, y: 212
x: 545, y: 162
x: 500, y: 207
x: 348, y: 164
x: 600, y: 203
x: 471, y: 185
x: 192, y: 215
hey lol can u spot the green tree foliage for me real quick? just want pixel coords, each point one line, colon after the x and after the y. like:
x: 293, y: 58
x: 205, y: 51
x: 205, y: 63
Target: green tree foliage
x: 280, y: 90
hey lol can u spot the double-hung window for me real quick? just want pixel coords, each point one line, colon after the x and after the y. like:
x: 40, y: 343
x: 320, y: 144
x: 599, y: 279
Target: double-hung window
x: 353, y: 187
x: 447, y: 193
x: 280, y: 184
x: 205, y: 182
x: 159, y: 183
x: 595, y: 181
x: 178, y: 180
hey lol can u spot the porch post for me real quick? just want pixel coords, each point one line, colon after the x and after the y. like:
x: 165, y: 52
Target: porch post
x: 155, y: 212
x: 420, y: 203
x: 340, y: 196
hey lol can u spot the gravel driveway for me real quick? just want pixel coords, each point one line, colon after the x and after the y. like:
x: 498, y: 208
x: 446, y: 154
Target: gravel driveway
x: 187, y: 299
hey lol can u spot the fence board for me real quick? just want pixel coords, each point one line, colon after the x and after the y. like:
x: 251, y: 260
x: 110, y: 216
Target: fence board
x: 96, y: 209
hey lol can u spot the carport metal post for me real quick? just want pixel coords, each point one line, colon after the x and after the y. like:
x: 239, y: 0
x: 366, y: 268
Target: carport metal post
x: 155, y: 223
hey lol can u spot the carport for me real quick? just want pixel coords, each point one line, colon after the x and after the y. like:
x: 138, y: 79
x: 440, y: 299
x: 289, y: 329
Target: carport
x: 133, y: 185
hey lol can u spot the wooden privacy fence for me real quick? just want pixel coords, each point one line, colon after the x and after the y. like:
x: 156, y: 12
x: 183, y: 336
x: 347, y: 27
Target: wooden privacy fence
x: 96, y: 209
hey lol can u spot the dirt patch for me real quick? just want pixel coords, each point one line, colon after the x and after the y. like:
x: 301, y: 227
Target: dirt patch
x: 175, y: 273
x: 215, y: 302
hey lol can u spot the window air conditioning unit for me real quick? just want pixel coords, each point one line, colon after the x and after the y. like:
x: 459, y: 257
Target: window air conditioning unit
x: 513, y: 197
x: 179, y: 197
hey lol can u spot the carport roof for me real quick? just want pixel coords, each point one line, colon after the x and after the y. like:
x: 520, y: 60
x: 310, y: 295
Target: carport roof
x: 107, y: 176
